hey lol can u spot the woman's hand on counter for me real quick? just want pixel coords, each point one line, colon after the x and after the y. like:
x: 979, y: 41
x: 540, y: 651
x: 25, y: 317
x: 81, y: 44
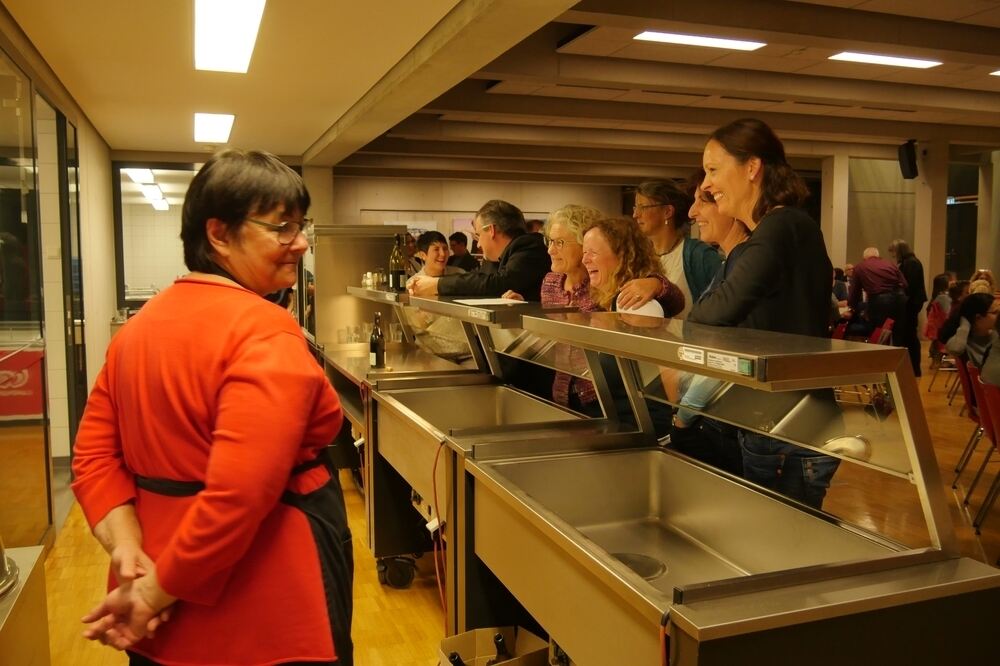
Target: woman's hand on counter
x: 512, y: 295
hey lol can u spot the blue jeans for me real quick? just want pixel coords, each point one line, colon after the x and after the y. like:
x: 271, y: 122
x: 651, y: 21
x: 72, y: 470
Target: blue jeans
x: 793, y: 471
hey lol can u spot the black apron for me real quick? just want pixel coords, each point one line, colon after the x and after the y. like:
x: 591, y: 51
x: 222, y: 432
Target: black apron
x: 327, y: 515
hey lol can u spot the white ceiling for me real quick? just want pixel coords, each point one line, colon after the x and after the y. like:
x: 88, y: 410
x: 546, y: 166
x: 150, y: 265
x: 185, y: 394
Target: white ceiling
x: 537, y: 89
x: 130, y: 66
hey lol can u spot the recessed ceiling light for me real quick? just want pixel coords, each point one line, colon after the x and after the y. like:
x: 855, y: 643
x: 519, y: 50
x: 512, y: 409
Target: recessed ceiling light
x: 139, y: 176
x: 160, y: 204
x: 875, y: 59
x: 213, y: 127
x: 225, y: 32
x: 698, y: 40
x: 151, y: 192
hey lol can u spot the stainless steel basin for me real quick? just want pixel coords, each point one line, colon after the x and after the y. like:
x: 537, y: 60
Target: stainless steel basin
x: 451, y: 410
x: 414, y: 423
x: 602, y: 539
x: 653, y: 504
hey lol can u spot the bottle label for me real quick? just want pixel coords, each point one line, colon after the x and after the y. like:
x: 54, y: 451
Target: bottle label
x: 373, y: 359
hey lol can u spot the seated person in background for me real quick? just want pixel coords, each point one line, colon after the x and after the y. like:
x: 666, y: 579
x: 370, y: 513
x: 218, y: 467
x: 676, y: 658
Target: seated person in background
x: 990, y: 371
x: 984, y: 274
x: 975, y: 333
x: 569, y: 284
x: 957, y: 291
x: 521, y: 259
x: 432, y: 249
x: 413, y: 262
x: 840, y: 285
x: 980, y: 286
x: 460, y: 255
x: 937, y: 313
x: 884, y: 286
x: 534, y: 226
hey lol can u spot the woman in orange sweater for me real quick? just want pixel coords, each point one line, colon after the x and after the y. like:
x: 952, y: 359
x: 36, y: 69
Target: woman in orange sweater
x: 200, y: 459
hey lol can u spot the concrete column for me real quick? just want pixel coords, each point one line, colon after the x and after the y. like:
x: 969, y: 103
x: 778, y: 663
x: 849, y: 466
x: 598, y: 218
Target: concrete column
x: 319, y: 180
x: 986, y: 219
x: 931, y: 211
x: 833, y: 218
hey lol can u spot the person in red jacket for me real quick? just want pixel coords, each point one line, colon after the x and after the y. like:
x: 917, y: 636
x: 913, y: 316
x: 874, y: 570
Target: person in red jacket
x: 200, y: 461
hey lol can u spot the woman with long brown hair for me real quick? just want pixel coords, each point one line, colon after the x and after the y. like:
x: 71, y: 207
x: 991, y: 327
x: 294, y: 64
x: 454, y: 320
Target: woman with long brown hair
x: 615, y: 252
x: 780, y: 283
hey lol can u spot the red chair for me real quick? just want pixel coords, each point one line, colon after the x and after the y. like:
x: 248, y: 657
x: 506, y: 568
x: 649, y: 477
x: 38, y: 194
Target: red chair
x: 985, y: 423
x: 839, y: 331
x: 991, y: 403
x: 882, y: 335
x: 974, y: 415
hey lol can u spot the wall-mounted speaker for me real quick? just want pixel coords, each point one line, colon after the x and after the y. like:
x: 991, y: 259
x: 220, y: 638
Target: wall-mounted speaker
x: 908, y: 159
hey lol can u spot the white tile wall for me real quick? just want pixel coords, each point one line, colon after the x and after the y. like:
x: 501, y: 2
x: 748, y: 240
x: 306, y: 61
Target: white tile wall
x: 52, y: 288
x: 154, y: 255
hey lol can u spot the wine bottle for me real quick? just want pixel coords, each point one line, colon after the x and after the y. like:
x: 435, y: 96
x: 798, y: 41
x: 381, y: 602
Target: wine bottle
x: 455, y: 659
x: 376, y: 344
x: 397, y: 266
x: 503, y: 654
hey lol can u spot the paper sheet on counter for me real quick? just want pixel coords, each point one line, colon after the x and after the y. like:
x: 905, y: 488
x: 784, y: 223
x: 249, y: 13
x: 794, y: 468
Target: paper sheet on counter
x: 489, y: 301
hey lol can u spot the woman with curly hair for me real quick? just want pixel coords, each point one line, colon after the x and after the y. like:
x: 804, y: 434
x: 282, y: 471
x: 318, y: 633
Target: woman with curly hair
x: 615, y: 252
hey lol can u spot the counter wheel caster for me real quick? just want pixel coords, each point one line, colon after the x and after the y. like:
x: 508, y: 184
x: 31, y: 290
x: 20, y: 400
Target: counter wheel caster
x: 396, y: 572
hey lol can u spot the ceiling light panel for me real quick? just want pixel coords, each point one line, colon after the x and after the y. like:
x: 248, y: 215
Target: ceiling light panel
x: 698, y: 40
x: 160, y: 204
x: 213, y: 127
x: 151, y: 192
x: 876, y: 59
x: 225, y: 32
x: 996, y: 73
x: 140, y: 176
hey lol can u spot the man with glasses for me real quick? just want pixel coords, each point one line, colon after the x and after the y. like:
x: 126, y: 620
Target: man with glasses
x: 521, y: 259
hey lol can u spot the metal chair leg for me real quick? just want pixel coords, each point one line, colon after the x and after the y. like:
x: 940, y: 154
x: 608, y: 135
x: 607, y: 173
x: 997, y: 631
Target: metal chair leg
x: 988, y: 501
x: 953, y: 391
x: 975, y: 481
x: 970, y: 448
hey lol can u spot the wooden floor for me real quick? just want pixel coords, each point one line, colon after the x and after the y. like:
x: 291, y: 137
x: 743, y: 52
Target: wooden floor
x: 391, y: 627
x: 403, y: 627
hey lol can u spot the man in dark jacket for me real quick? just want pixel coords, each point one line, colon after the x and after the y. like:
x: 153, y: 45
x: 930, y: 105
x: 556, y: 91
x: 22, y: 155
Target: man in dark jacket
x: 916, y: 296
x: 522, y: 260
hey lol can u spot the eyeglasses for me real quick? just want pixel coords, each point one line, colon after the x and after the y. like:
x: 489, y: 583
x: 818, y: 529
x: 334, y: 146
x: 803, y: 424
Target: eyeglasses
x: 558, y: 243
x: 287, y: 231
x: 638, y: 207
x: 476, y: 234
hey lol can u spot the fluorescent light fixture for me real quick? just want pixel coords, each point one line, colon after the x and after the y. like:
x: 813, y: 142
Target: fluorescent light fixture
x: 139, y: 176
x: 697, y: 40
x: 160, y: 204
x: 875, y: 59
x: 151, y: 192
x: 213, y: 127
x: 225, y: 32
x: 996, y: 73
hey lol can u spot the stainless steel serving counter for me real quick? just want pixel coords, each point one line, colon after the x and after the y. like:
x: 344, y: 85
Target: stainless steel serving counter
x: 24, y: 627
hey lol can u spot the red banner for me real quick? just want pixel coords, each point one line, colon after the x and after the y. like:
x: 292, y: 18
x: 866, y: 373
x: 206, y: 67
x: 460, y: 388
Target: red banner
x: 22, y: 394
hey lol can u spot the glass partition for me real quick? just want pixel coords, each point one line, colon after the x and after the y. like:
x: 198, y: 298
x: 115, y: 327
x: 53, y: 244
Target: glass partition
x: 25, y: 510
x: 148, y: 200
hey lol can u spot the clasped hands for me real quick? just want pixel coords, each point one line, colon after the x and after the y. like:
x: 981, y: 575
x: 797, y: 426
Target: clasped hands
x: 134, y: 609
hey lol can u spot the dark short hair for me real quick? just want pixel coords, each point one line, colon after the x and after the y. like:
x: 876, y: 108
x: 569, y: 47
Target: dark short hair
x: 459, y: 237
x: 900, y: 248
x: 670, y: 193
x: 838, y: 274
x: 505, y: 217
x: 428, y: 238
x: 232, y: 185
x: 747, y: 138
x: 975, y: 305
